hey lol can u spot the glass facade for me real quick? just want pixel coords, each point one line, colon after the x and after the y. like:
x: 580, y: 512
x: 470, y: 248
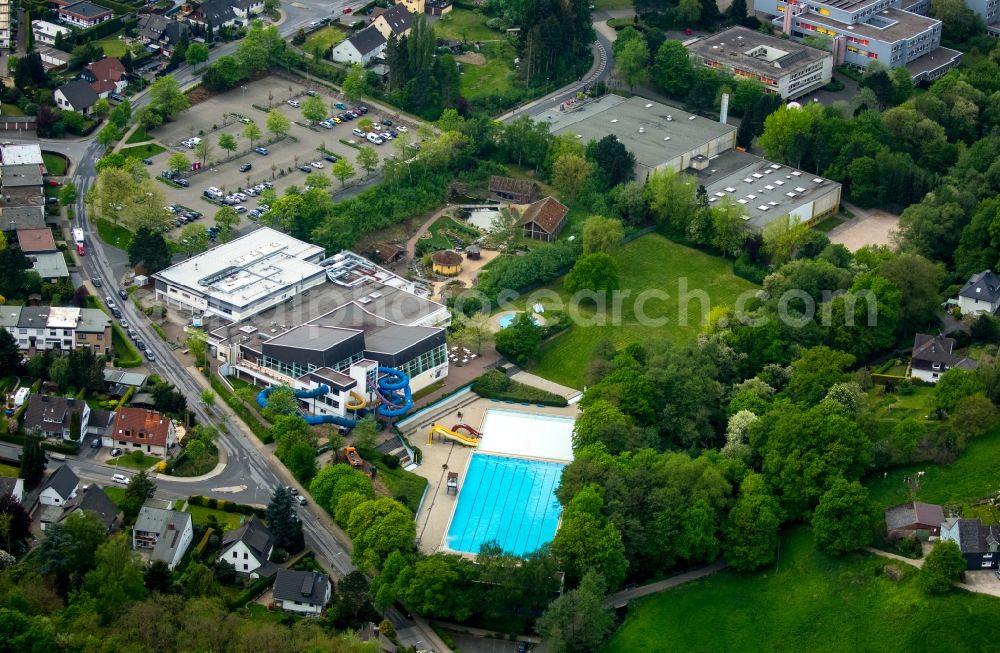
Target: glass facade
x: 426, y: 361
x: 295, y: 370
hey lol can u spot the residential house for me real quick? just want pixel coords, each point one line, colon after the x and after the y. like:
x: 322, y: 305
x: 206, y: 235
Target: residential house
x: 76, y: 96
x: 105, y: 76
x: 144, y: 430
x: 60, y: 328
x: 13, y: 487
x: 371, y: 633
x: 95, y: 500
x: 46, y: 32
x: 513, y: 191
x: 21, y: 175
x: 13, y: 218
x: 980, y: 544
x: 248, y: 8
x: 84, y: 14
x: 33, y: 241
x: 906, y: 519
x: 51, y: 415
x: 248, y: 548
x: 50, y: 266
x: 544, y: 219
x: 21, y: 154
x: 932, y: 357
x: 302, y: 592
x: 412, y: 6
x: 213, y: 14
x: 161, y: 33
x: 361, y: 47
x: 59, y: 487
x: 162, y: 534
x: 395, y: 20
x: 980, y: 294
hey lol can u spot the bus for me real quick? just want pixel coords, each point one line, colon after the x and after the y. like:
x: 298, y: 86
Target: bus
x: 78, y: 236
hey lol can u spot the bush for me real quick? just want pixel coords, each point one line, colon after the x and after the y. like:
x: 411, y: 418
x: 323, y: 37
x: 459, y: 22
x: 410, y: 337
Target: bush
x: 537, y: 267
x: 390, y: 461
x: 212, y: 503
x: 196, y: 500
x: 496, y: 385
x: 279, y: 555
x: 744, y: 268
x: 227, y: 506
x: 244, y: 509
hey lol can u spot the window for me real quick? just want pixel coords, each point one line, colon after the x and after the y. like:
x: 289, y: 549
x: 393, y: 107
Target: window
x: 246, y: 556
x: 234, y: 554
x: 246, y: 567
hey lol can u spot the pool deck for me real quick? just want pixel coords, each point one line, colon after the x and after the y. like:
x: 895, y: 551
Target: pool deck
x: 443, y: 456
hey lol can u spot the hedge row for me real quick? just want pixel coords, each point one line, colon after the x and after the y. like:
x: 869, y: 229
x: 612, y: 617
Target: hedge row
x: 225, y: 506
x: 234, y: 402
x: 497, y: 385
x: 252, y: 591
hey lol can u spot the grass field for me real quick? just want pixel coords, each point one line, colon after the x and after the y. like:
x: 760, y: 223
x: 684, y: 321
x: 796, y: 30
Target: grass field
x: 139, y: 136
x: 649, y: 262
x: 55, y: 164
x: 114, y: 235
x: 828, y: 225
x: 10, y: 110
x: 464, y: 25
x: 112, y: 46
x: 325, y: 37
x: 972, y: 477
x: 133, y: 461
x: 227, y: 520
x: 116, y: 494
x: 399, y: 482
x: 495, y: 77
x: 612, y: 4
x: 810, y: 603
x: 143, y: 151
x: 9, y: 471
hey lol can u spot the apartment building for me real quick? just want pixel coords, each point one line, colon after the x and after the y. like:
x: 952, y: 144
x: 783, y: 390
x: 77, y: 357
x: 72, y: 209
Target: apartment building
x: 862, y: 31
x: 60, y: 328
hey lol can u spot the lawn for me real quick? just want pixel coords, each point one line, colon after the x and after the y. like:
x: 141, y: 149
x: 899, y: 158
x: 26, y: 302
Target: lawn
x: 10, y: 110
x: 495, y: 77
x: 897, y: 406
x: 116, y: 494
x: 139, y: 136
x: 136, y: 460
x: 399, y: 482
x: 112, y: 46
x: 112, y: 234
x: 9, y: 471
x: 829, y: 224
x: 464, y: 25
x: 325, y: 38
x: 55, y: 164
x: 811, y: 602
x: 143, y: 151
x: 649, y: 262
x: 227, y: 520
x: 970, y: 478
x: 128, y: 356
x: 191, y: 466
x: 612, y: 4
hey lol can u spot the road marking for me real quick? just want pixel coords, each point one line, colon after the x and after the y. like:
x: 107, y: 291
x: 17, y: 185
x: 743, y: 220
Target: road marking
x: 229, y: 490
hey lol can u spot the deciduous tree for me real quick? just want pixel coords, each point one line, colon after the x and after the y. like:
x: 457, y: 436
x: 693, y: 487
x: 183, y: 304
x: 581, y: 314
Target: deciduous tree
x: 570, y: 174
x: 943, y: 566
x: 843, y: 519
x: 578, y: 621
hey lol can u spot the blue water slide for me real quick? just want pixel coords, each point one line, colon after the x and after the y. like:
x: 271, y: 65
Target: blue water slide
x: 394, y: 388
x: 318, y: 391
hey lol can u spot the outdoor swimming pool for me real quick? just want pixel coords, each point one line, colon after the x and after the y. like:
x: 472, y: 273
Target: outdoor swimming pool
x: 508, y: 500
x: 508, y: 318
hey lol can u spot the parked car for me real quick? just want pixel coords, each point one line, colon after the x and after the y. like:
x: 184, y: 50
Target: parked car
x: 291, y: 490
x: 310, y: 92
x: 240, y: 196
x: 402, y: 129
x: 182, y: 182
x: 387, y: 121
x: 261, y: 150
x: 95, y: 443
x: 301, y: 499
x: 150, y: 356
x: 140, y: 344
x: 123, y: 294
x: 347, y: 10
x: 314, y: 24
x: 317, y: 164
x: 294, y: 103
x: 331, y: 158
x: 124, y: 323
x: 357, y: 132
x: 132, y: 334
x: 326, y: 124
x: 110, y: 301
x: 239, y: 208
x: 245, y: 167
x: 148, y: 162
x: 115, y: 453
x: 340, y: 105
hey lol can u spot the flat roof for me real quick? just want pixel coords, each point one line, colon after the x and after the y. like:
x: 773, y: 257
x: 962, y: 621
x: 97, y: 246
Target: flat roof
x: 764, y: 189
x: 761, y: 53
x: 94, y: 320
x: 21, y: 154
x: 899, y: 25
x: 248, y: 268
x: 23, y: 174
x: 36, y: 240
x: 933, y: 61
x: 667, y: 132
x: 49, y: 265
x: 313, y: 336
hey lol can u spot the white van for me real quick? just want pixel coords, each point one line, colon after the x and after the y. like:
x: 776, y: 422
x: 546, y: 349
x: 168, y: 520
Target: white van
x: 358, y: 132
x: 373, y: 138
x: 120, y: 478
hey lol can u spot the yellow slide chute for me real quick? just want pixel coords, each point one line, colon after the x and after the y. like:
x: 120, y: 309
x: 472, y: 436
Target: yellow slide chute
x: 359, y: 402
x: 461, y: 438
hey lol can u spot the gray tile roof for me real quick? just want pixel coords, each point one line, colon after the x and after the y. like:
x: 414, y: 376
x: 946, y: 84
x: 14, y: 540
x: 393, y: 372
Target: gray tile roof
x: 254, y: 535
x: 303, y: 586
x: 367, y: 40
x: 79, y: 94
x: 936, y: 350
x: 984, y: 286
x: 95, y: 500
x: 25, y: 174
x: 85, y: 9
x: 63, y: 481
x: 399, y: 19
x: 50, y: 412
x: 975, y: 537
x: 168, y: 524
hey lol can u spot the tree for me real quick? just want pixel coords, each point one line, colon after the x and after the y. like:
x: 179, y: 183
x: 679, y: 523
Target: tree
x: 10, y: 352
x: 751, y: 528
x: 602, y: 234
x: 281, y: 401
x: 226, y: 219
x: 203, y: 150
x: 368, y: 159
x: 139, y: 490
x: 596, y: 272
x: 737, y: 12
x: 959, y: 22
x: 919, y: 281
x: 251, y: 132
x: 673, y: 70
x: 166, y: 97
x: 615, y: 164
x: 587, y: 541
x: 158, y: 577
x: 577, y: 621
x: 365, y: 434
x: 149, y: 249
x: 673, y: 199
x: 943, y: 566
x: 15, y: 523
x: 343, y: 171
x: 377, y: 528
x: 68, y: 194
x: 843, y: 518
x: 631, y: 59
x: 178, y: 161
x: 277, y: 123
x: 196, y: 53
x: 228, y: 143
x: 729, y: 233
x: 520, y: 340
x: 787, y: 134
x: 32, y: 461
x: 334, y: 481
x: 815, y: 371
x: 69, y: 548
x: 193, y: 239
x: 570, y: 174
x: 283, y: 522
x: 314, y: 109
x: 955, y: 385
x: 354, y: 85
x: 121, y: 114
x: 117, y: 578
x: 108, y: 136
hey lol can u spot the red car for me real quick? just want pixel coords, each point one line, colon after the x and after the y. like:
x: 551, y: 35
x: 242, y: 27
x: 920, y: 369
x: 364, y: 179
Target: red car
x: 80, y: 250
x: 687, y: 31
x: 347, y: 10
x: 51, y: 182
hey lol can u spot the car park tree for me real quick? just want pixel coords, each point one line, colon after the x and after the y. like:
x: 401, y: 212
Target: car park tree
x: 226, y: 219
x: 193, y: 239
x: 277, y: 123
x: 178, y: 161
x: 314, y: 109
x: 343, y: 171
x: 150, y: 249
x: 196, y: 53
x: 202, y: 150
x: 366, y: 124
x: 368, y: 159
x: 166, y: 97
x: 354, y: 84
x: 251, y: 132
x: 228, y: 143
x: 316, y: 179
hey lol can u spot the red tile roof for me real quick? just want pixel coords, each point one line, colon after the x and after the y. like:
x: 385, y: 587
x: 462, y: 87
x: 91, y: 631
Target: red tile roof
x: 36, y: 240
x: 547, y: 213
x: 141, y: 426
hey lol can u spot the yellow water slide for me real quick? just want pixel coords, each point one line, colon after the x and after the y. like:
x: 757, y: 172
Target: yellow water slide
x: 359, y: 402
x: 461, y: 438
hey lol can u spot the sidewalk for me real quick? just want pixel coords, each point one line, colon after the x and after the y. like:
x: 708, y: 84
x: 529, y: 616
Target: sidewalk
x: 618, y: 598
x: 545, y: 384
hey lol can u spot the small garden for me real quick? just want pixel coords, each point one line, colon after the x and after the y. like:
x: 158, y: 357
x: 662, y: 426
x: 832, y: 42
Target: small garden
x: 54, y: 163
x: 199, y: 456
x: 497, y: 385
x: 405, y: 487
x: 323, y: 39
x: 447, y: 233
x: 465, y: 25
x: 488, y: 72
x: 136, y: 460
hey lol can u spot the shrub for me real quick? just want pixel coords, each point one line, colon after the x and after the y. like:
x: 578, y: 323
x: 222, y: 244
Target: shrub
x: 227, y: 506
x: 390, y: 461
x: 496, y: 385
x: 279, y: 555
x: 196, y: 500
x: 212, y: 503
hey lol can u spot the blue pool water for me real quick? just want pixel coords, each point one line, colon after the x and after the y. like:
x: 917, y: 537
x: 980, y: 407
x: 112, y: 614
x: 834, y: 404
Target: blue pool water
x: 507, y: 319
x: 509, y: 500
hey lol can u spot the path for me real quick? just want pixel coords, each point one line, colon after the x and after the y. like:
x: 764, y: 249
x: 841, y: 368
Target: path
x: 545, y: 384
x: 411, y: 243
x: 624, y: 596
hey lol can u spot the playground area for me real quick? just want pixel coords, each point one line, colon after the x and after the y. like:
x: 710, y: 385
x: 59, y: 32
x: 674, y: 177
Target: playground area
x: 492, y: 469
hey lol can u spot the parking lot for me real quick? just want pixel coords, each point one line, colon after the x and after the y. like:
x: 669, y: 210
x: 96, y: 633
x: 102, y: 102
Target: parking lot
x: 212, y: 118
